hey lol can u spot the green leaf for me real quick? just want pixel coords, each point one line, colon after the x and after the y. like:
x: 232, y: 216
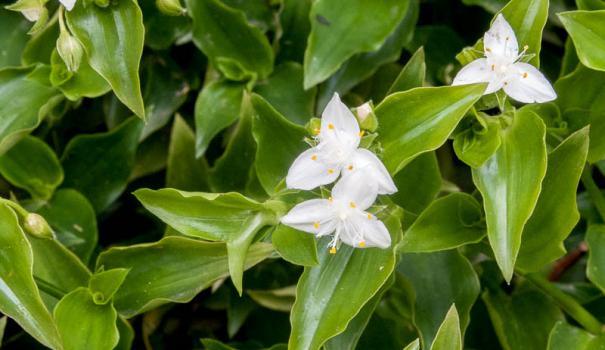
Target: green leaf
x: 284, y: 91
x: 107, y: 156
x: 230, y: 218
x: 329, y: 295
x: 19, y: 296
x: 13, y: 36
x: 566, y: 337
x: 556, y: 212
x: 174, y: 269
x: 41, y: 45
x: 580, y: 107
x: 104, y: 284
x: 451, y: 279
x: 32, y: 165
x: 239, y: 50
x: 183, y: 170
x: 337, y: 35
x: 448, y: 336
x: 295, y: 246
x: 412, y: 74
x: 24, y: 102
x: 113, y: 40
x: 415, y: 345
x: 523, y: 320
x: 73, y: 220
x: 126, y: 334
x: 294, y: 21
x: 449, y: 222
x: 86, y: 82
x: 418, y: 183
x: 510, y: 183
x: 478, y: 143
x: 527, y: 18
x: 276, y: 299
x: 217, y: 106
x: 587, y: 30
x: 83, y: 324
x: 595, y: 238
x: 409, y: 126
x: 161, y: 31
x: 279, y: 142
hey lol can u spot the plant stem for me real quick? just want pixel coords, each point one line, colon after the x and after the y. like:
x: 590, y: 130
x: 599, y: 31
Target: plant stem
x: 567, y: 303
x: 49, y: 288
x: 594, y: 191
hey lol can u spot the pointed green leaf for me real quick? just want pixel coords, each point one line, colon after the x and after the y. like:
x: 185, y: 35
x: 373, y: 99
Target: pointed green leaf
x: 410, y: 126
x: 449, y: 222
x: 337, y: 35
x: 83, y: 324
x: 527, y: 18
x: 104, y: 284
x: 595, y: 237
x: 32, y: 165
x: 587, y: 30
x: 556, y: 212
x: 510, y: 183
x: 412, y: 74
x: 415, y: 345
x: 448, y: 336
x: 174, y: 269
x: 86, y: 82
x: 13, y: 35
x: 566, y: 337
x: 183, y: 170
x: 329, y: 295
x: 113, y: 40
x: 239, y: 50
x: 19, y: 295
x: 295, y: 246
x: 279, y: 142
x: 107, y: 156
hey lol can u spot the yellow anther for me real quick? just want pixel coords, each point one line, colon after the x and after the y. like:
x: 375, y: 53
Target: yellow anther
x: 369, y: 216
x: 361, y: 133
x: 331, y: 126
x: 330, y: 199
x: 362, y: 244
x: 353, y: 205
x: 333, y: 250
x: 316, y: 131
x: 525, y: 75
x: 316, y: 225
x: 314, y: 157
x: 350, y: 167
x: 493, y: 67
x: 525, y: 47
x: 330, y: 171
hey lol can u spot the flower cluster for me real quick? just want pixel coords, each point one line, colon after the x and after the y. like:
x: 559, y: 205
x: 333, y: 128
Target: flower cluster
x: 362, y: 178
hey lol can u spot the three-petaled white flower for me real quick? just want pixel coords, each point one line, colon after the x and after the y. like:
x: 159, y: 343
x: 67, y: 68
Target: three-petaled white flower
x: 343, y: 214
x: 501, y: 68
x: 338, y: 153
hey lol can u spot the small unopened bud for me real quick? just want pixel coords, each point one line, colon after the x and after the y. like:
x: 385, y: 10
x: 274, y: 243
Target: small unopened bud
x: 314, y: 126
x: 170, y: 7
x: 366, y: 117
x: 31, y: 9
x: 70, y: 50
x: 36, y: 225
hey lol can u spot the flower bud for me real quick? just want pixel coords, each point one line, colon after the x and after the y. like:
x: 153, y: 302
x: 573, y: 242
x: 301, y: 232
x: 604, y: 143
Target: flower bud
x: 170, y: 7
x: 314, y: 126
x: 70, y: 50
x: 366, y: 117
x: 36, y: 225
x: 31, y: 9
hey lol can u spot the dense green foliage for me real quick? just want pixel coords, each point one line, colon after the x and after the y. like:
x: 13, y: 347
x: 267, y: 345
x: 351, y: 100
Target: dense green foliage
x: 145, y: 147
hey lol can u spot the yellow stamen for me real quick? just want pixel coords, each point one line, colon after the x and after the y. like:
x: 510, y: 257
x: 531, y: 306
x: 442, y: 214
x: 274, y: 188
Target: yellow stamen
x: 361, y: 133
x: 350, y: 167
x: 493, y: 67
x: 314, y: 157
x: 330, y: 199
x: 333, y: 250
x: 316, y: 225
x: 525, y: 75
x: 353, y: 205
x: 362, y: 244
x: 330, y: 171
x: 525, y: 47
x: 331, y: 126
x: 316, y: 131
x: 369, y: 216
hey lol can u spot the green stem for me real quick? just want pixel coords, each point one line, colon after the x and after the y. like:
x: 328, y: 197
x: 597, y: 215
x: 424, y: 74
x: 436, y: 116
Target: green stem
x: 49, y: 288
x: 567, y: 303
x: 19, y: 209
x: 593, y: 190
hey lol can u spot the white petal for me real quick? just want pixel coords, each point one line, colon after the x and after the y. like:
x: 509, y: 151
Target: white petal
x: 500, y: 40
x: 526, y: 84
x: 311, y: 169
x: 364, y: 159
x: 314, y: 216
x: 473, y: 73
x: 69, y: 4
x: 338, y: 123
x: 365, y: 230
x: 356, y: 188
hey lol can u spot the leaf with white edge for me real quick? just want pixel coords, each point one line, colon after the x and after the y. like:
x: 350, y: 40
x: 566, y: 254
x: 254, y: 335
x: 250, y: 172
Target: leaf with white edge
x: 415, y: 345
x: 510, y: 183
x: 556, y: 212
x: 448, y: 336
x: 566, y: 337
x: 408, y: 126
x: 113, y: 40
x: 412, y: 75
x: 329, y: 295
x: 183, y: 170
x: 174, y: 269
x: 587, y: 30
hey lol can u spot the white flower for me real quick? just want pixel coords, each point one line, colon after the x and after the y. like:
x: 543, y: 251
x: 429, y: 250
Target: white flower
x: 336, y: 153
x: 344, y: 213
x: 69, y: 4
x: 502, y: 70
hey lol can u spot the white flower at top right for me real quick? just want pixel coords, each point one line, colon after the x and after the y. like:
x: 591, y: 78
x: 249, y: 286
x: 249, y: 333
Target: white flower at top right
x: 501, y: 69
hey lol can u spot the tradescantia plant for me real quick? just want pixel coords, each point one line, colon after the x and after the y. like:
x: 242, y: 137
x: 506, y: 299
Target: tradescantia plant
x: 297, y: 174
